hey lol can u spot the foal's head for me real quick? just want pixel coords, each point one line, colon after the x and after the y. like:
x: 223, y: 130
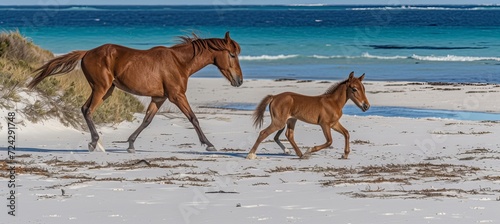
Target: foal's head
x: 356, y: 92
x: 227, y: 61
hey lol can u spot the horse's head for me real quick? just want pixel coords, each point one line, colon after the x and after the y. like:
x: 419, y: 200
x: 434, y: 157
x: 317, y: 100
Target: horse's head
x: 356, y: 92
x: 227, y: 61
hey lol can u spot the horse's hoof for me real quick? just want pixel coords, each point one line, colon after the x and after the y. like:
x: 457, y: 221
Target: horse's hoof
x: 343, y: 157
x: 211, y: 149
x: 306, y: 155
x: 91, y: 148
x: 98, y: 147
x: 131, y: 150
x: 286, y: 151
x: 251, y: 156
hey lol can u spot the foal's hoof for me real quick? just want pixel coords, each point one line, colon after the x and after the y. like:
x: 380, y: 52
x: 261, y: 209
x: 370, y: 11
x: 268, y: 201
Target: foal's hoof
x: 306, y: 155
x: 251, y: 156
x: 286, y: 151
x: 131, y: 150
x: 343, y: 157
x: 211, y: 149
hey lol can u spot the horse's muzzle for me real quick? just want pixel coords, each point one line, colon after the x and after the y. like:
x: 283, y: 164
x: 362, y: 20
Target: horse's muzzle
x: 236, y: 81
x: 365, y: 107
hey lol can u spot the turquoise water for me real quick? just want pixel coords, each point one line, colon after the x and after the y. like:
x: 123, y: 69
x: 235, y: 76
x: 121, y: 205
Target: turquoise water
x: 410, y: 43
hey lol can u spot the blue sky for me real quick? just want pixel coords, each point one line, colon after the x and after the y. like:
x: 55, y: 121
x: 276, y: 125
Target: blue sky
x: 240, y: 2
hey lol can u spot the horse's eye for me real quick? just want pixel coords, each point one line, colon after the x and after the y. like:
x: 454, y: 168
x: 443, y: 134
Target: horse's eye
x: 232, y: 55
x: 354, y: 89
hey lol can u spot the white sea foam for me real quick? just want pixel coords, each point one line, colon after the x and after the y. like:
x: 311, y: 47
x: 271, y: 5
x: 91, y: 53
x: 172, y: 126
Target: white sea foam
x: 451, y: 58
x: 367, y: 55
x: 447, y: 58
x: 364, y: 55
x: 454, y: 58
x: 81, y: 8
x: 327, y: 57
x: 267, y: 57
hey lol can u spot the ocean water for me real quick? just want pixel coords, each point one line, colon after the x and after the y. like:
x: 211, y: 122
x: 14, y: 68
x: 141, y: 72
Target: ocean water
x: 409, y: 43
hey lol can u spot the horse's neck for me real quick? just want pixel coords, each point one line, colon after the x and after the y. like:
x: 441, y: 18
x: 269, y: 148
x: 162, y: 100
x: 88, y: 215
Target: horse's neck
x: 339, y: 96
x: 192, y: 63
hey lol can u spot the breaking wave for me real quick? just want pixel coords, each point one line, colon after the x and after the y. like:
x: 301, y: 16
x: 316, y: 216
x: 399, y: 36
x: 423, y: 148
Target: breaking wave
x: 267, y: 57
x: 447, y: 58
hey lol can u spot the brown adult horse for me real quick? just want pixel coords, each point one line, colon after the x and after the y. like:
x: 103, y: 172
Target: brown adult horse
x: 160, y: 72
x: 324, y: 110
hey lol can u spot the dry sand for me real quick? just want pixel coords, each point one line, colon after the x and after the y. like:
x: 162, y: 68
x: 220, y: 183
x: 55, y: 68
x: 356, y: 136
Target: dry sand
x: 399, y: 170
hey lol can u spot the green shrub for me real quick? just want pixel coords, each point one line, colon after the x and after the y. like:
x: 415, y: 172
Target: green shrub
x: 60, y: 96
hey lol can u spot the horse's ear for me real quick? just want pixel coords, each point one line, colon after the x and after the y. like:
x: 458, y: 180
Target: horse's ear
x: 227, y: 37
x: 361, y: 77
x: 351, y: 75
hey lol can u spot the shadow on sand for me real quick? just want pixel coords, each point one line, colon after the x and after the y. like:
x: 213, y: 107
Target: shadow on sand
x: 42, y: 150
x: 232, y: 154
x: 124, y: 151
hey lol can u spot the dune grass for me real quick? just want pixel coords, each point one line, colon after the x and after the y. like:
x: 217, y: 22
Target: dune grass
x: 61, y: 96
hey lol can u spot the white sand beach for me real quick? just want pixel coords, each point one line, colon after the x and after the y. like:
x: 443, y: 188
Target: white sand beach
x: 425, y: 170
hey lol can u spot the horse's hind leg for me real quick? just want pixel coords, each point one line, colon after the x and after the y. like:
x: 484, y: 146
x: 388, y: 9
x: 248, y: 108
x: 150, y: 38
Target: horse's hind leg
x: 150, y: 113
x: 275, y: 125
x: 277, y: 140
x: 98, y: 95
x: 289, y: 135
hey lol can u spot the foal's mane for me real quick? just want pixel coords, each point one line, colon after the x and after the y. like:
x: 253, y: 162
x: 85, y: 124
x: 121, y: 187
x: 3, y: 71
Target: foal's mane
x: 214, y: 44
x: 334, y: 87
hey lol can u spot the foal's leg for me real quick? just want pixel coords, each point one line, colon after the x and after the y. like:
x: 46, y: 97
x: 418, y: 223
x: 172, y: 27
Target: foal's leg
x: 180, y: 100
x: 274, y: 126
x: 153, y: 107
x: 277, y: 140
x: 289, y: 135
x: 340, y: 129
x: 98, y: 95
x: 328, y: 136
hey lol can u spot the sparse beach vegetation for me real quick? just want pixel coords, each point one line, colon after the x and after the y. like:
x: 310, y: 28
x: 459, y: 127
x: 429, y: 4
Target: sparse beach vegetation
x: 59, y: 97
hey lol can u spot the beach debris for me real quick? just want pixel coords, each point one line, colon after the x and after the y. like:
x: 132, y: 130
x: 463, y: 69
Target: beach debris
x: 221, y: 192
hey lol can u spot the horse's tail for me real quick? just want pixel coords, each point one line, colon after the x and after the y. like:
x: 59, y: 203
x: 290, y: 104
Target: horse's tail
x: 60, y: 65
x: 258, y: 114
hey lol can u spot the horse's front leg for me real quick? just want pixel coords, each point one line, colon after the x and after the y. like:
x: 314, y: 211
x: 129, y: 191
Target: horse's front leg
x: 340, y: 129
x: 181, y: 102
x: 328, y: 136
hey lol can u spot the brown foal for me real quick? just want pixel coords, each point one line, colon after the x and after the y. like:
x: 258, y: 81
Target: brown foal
x: 160, y: 72
x: 324, y: 110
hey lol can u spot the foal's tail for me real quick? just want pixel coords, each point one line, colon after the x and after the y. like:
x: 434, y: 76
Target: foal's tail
x: 59, y: 65
x: 258, y: 114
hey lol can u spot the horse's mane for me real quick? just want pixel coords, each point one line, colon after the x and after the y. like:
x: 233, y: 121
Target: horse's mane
x: 200, y: 44
x: 334, y: 87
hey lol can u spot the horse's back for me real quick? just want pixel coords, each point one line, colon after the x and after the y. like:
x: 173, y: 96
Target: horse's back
x: 303, y: 107
x: 294, y: 101
x: 107, y: 50
x: 296, y: 98
x: 114, y: 56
